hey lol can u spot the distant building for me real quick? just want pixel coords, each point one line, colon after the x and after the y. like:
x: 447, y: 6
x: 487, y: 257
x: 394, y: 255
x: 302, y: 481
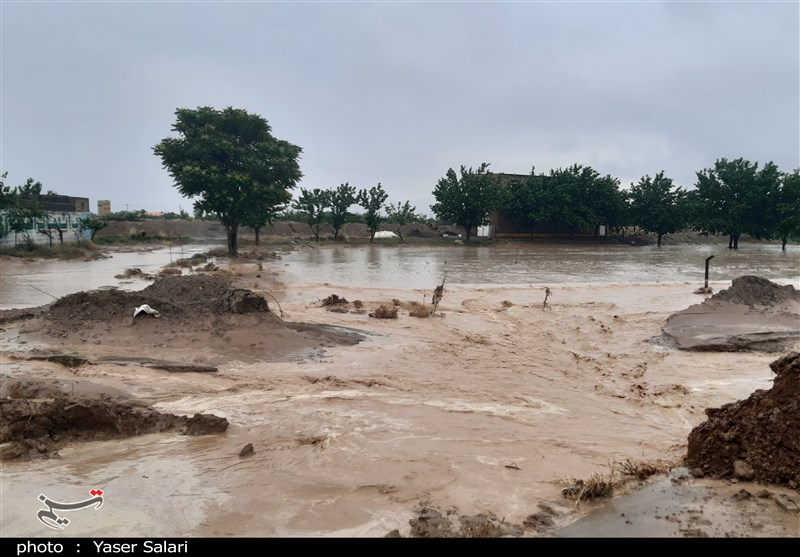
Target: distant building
x: 62, y: 219
x: 103, y: 207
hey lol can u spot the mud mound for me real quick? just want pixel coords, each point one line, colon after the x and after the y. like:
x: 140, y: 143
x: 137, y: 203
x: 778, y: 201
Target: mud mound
x: 103, y: 305
x: 36, y: 420
x: 753, y: 314
x: 757, y: 439
x: 193, y: 311
x: 205, y: 293
x: 754, y: 291
x: 175, y: 296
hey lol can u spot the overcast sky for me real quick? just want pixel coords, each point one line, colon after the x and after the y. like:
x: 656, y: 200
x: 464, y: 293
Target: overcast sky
x: 398, y: 92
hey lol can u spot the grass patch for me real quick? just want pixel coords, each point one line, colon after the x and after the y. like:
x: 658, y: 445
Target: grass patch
x: 598, y: 486
x: 69, y: 251
x: 643, y: 470
x: 141, y: 238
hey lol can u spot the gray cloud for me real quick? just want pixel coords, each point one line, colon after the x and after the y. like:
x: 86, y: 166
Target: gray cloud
x: 399, y: 92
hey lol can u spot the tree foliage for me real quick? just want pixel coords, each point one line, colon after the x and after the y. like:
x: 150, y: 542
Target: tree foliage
x: 787, y: 208
x: 733, y: 198
x: 372, y: 201
x: 467, y: 200
x: 93, y: 224
x: 231, y: 164
x: 528, y: 202
x: 580, y: 198
x: 341, y: 199
x: 401, y: 214
x: 22, y: 206
x: 656, y: 206
x: 312, y: 205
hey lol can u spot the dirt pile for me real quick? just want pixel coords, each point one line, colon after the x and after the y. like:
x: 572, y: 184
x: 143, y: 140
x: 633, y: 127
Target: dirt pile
x: 754, y: 291
x: 38, y: 418
x: 753, y: 314
x: 203, y: 312
x: 176, y: 296
x: 757, y: 439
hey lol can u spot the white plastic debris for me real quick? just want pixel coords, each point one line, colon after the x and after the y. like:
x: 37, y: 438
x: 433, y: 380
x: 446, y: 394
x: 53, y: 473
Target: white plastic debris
x: 146, y: 309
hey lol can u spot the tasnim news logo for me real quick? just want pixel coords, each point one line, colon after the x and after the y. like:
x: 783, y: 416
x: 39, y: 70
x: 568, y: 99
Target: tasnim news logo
x: 51, y: 519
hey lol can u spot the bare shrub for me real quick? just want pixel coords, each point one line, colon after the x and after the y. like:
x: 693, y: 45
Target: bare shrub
x: 384, y: 312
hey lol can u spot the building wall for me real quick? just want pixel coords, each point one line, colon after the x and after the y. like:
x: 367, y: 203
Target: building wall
x: 63, y: 211
x: 68, y: 221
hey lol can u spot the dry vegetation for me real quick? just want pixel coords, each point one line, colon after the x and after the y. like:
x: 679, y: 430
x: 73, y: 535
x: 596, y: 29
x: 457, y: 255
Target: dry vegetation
x: 384, y: 312
x: 603, y: 485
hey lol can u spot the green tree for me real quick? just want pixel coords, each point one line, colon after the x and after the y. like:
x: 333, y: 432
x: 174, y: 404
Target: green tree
x: 259, y: 219
x: 787, y: 208
x: 401, y: 214
x: 23, y: 207
x: 94, y: 224
x: 656, y: 206
x: 468, y: 200
x: 6, y: 193
x: 580, y: 198
x: 372, y: 201
x: 734, y: 198
x: 229, y: 161
x: 312, y: 204
x: 341, y: 199
x: 527, y: 202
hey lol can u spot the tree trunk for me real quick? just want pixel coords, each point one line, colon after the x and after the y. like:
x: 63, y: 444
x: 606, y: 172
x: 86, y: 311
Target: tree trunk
x: 730, y: 240
x: 784, y: 238
x: 335, y: 234
x: 233, y: 239
x: 371, y: 234
x: 736, y: 240
x: 258, y: 235
x: 468, y: 230
x: 399, y: 233
x: 659, y: 239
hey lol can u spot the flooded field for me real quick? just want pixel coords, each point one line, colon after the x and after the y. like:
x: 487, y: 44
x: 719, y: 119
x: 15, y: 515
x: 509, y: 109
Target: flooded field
x: 487, y: 408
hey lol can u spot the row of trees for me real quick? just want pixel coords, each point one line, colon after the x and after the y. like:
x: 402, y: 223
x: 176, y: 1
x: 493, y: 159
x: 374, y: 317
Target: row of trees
x: 333, y: 205
x: 236, y: 170
x: 732, y: 198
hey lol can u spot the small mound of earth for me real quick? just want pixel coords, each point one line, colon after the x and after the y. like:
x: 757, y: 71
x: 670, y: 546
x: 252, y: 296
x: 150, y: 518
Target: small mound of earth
x: 753, y: 314
x: 38, y: 418
x: 193, y: 312
x: 757, y: 439
x: 173, y: 295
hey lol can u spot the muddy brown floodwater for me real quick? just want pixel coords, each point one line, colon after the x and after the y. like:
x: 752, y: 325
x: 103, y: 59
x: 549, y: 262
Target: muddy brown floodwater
x: 490, y: 408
